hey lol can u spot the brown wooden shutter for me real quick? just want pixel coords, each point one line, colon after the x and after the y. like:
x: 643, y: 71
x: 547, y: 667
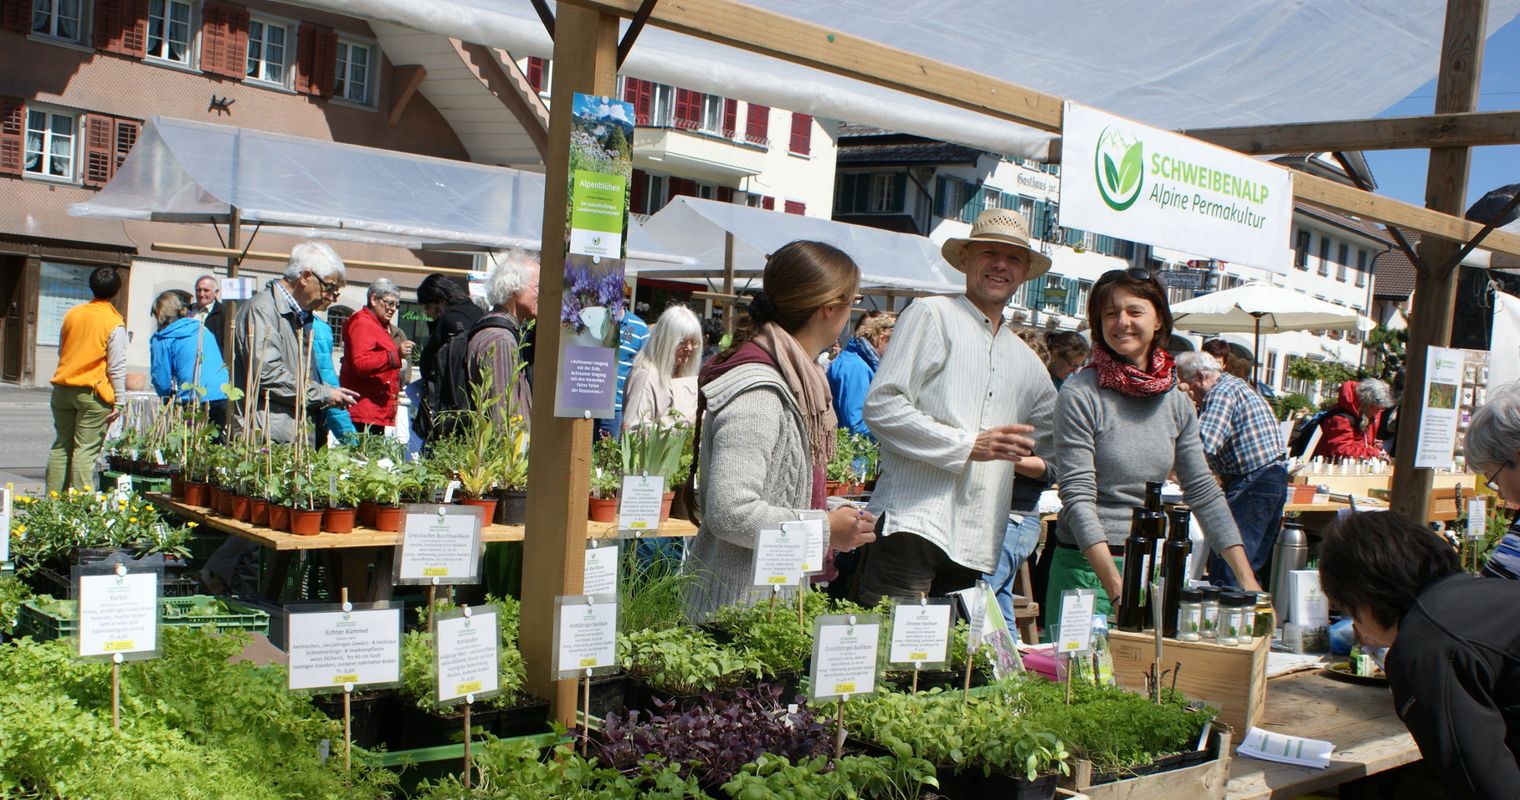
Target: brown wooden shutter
x: 317, y: 60
x: 726, y: 193
x: 638, y: 193
x: 99, y: 149
x: 126, y: 137
x: 794, y: 207
x: 641, y: 95
x: 688, y: 109
x: 757, y: 123
x: 535, y: 73
x: 730, y: 117
x: 683, y: 187
x: 121, y: 26
x: 16, y: 16
x: 12, y: 135
x: 802, y: 134
x: 224, y: 40
x: 768, y: 203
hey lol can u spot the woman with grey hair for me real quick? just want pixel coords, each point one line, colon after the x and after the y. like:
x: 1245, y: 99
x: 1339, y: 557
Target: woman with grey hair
x: 1350, y: 431
x: 662, y: 387
x: 499, y: 339
x: 1493, y: 446
x: 372, y: 359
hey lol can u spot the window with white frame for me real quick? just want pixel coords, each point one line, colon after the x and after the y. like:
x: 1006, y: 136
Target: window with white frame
x: 712, y: 114
x: 662, y: 106
x: 354, y: 74
x: 169, y: 30
x: 52, y: 141
x: 656, y: 195
x: 60, y: 19
x: 1361, y: 268
x: 268, y: 51
x: 884, y: 193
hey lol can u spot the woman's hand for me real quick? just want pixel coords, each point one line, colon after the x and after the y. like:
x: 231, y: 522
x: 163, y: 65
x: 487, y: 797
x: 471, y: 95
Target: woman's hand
x: 851, y: 527
x: 1235, y: 556
x: 1102, y: 562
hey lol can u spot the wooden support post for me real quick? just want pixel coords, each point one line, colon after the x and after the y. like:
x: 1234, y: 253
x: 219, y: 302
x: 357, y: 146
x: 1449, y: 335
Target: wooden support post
x: 1435, y: 289
x: 229, y: 314
x: 728, y: 283
x: 585, y: 55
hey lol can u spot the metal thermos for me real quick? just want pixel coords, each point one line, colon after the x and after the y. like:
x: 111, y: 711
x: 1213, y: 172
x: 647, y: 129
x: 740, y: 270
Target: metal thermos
x: 1291, y: 553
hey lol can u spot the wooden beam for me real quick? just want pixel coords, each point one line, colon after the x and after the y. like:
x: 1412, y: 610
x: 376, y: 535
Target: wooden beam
x: 499, y: 74
x: 1451, y: 227
x: 1473, y: 129
x: 1435, y: 288
x: 559, y: 458
x: 407, y: 79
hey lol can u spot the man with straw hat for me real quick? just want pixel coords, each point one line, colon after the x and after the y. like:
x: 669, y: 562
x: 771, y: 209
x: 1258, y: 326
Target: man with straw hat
x: 958, y: 401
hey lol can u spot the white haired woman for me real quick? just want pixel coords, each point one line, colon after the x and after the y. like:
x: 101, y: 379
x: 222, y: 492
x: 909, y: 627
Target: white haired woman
x: 662, y: 386
x: 1493, y: 447
x: 497, y: 340
x: 372, y: 360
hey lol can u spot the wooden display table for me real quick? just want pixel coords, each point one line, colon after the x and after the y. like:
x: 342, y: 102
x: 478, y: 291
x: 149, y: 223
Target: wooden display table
x: 1362, y: 485
x: 356, y: 551
x: 1358, y: 719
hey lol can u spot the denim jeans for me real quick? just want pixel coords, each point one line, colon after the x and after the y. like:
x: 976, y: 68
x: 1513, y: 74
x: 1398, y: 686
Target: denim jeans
x: 1256, y: 501
x: 1018, y: 542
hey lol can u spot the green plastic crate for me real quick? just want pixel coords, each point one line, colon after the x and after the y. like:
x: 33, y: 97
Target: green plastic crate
x: 140, y: 483
x: 35, y: 621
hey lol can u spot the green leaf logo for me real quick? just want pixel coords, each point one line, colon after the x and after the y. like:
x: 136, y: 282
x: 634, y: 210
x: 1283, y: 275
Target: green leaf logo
x: 1119, y: 164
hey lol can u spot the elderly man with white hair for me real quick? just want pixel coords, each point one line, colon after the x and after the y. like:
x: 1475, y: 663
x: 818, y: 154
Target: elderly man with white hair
x: 497, y: 340
x: 1493, y: 449
x: 271, y: 332
x: 372, y: 359
x: 1245, y: 448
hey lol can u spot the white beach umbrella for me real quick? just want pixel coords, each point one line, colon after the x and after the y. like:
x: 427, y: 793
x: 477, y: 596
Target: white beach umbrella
x: 1258, y: 308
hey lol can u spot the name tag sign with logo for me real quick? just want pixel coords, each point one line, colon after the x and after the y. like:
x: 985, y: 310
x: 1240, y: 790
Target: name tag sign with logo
x: 1132, y: 181
x: 779, y: 556
x: 845, y: 651
x: 467, y: 646
x: 921, y: 632
x: 640, y: 503
x: 585, y: 635
x: 440, y: 544
x: 336, y: 647
x: 118, y: 613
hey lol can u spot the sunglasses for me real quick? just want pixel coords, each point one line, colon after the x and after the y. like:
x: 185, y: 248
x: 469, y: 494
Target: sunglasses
x: 1490, y: 480
x: 1134, y: 273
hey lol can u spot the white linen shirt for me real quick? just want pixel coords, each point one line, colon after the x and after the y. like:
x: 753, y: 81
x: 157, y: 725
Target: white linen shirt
x: 947, y: 376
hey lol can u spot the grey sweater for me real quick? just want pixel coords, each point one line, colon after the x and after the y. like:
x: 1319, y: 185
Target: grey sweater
x: 1107, y: 445
x: 755, y: 472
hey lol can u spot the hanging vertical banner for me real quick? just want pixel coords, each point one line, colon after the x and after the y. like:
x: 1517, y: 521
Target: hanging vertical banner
x: 601, y: 167
x: 1131, y: 181
x: 1438, y: 422
x: 1504, y: 347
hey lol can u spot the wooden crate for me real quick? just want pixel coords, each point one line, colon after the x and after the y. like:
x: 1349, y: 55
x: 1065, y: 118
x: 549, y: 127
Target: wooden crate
x: 1232, y: 679
x: 1206, y: 781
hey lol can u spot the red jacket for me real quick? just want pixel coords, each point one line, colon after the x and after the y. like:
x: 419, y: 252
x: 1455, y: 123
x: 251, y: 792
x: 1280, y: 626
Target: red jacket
x: 1342, y: 435
x: 371, y: 367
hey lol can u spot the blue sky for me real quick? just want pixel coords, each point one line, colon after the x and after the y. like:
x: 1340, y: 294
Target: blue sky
x: 1401, y: 173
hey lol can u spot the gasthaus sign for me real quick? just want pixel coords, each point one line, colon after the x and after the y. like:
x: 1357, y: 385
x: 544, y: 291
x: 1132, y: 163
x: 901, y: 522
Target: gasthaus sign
x: 1135, y: 182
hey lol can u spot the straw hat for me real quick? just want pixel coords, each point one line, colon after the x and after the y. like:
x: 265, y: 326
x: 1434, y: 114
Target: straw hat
x: 1004, y: 227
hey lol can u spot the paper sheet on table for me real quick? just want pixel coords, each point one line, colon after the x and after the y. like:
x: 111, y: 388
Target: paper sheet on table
x: 1279, y: 664
x: 1286, y: 749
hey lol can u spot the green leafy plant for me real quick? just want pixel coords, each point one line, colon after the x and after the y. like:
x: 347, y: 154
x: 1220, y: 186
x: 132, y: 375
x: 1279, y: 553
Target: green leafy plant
x: 419, y: 668
x: 685, y: 662
x: 50, y: 527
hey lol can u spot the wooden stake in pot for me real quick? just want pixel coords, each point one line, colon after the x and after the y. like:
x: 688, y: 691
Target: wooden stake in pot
x: 348, y: 713
x: 469, y: 700
x: 116, y: 691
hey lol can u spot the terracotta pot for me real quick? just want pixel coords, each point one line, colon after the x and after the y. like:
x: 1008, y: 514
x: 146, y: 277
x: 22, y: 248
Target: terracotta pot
x: 603, y: 510
x: 240, y: 510
x: 224, y: 503
x: 176, y: 487
x: 195, y: 493
x: 1304, y: 492
x: 258, y: 511
x: 366, y: 513
x: 338, y: 520
x: 213, y: 498
x: 487, y: 506
x: 279, y: 517
x: 670, y: 497
x: 390, y: 518
x: 306, y: 521
x: 511, y: 507
x: 833, y: 488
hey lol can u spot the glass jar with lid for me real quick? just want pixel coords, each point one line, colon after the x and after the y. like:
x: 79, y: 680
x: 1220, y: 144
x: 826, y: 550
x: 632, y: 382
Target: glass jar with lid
x: 1190, y: 616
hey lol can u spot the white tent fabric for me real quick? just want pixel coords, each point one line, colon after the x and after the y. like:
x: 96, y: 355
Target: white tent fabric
x: 1172, y: 63
x: 1274, y: 308
x: 182, y: 171
x: 698, y: 228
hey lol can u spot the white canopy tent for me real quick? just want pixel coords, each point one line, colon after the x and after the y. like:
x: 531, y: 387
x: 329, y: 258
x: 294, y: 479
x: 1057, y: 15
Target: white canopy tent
x: 699, y: 229
x: 182, y: 171
x: 1258, y: 308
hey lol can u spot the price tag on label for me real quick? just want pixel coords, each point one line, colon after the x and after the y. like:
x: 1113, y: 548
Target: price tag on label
x: 468, y: 654
x: 778, y: 557
x: 440, y: 544
x: 640, y: 502
x: 920, y: 633
x: 118, y: 613
x: 331, y: 649
x: 844, y: 655
x: 814, y: 540
x: 585, y: 634
x: 1075, y: 630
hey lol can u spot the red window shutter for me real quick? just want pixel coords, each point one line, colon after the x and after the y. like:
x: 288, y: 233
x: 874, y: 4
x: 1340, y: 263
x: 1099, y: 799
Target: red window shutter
x: 126, y: 136
x: 121, y: 26
x: 802, y: 134
x: 641, y: 95
x: 535, y: 73
x: 794, y: 207
x: 224, y: 40
x: 725, y: 193
x: 683, y: 187
x: 730, y: 117
x: 757, y: 123
x: 12, y: 134
x: 99, y: 149
x: 638, y: 193
x: 316, y: 60
x: 768, y: 203
x: 688, y: 109
x: 16, y: 16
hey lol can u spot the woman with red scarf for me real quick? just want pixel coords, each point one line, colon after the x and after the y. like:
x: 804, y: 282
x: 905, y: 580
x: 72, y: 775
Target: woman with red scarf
x: 1119, y: 423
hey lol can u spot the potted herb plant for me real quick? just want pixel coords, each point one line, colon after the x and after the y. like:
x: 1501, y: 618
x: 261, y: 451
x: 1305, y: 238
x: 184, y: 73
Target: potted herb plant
x: 606, y: 479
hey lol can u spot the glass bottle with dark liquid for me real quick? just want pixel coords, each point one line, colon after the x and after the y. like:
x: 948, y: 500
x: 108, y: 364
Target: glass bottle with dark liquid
x: 1174, y: 557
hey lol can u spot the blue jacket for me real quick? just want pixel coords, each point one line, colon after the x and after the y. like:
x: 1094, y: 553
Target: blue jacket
x: 333, y: 419
x: 172, y: 361
x: 850, y: 377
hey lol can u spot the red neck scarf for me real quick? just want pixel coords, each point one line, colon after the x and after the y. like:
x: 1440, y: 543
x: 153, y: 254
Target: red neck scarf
x: 1126, y: 378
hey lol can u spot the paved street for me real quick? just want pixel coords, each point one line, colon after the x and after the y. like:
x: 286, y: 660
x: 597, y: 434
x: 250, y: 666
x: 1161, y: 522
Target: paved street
x: 26, y: 433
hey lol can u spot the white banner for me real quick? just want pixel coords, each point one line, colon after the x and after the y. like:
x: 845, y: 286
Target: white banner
x: 1504, y: 348
x: 1438, y: 422
x: 1131, y: 181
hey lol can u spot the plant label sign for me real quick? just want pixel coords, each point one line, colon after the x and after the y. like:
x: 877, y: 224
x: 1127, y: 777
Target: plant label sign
x: 118, y: 615
x: 845, y: 649
x: 921, y: 632
x: 1075, y: 630
x: 779, y: 555
x: 440, y: 544
x: 334, y: 649
x: 640, y: 503
x: 601, y: 576
x: 1477, y: 518
x: 585, y: 635
x: 814, y: 540
x: 6, y: 494
x: 468, y: 654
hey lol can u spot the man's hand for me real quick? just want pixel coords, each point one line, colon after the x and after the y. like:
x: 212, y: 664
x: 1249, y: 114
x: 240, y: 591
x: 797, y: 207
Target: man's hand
x: 341, y: 397
x: 1007, y: 443
x: 406, y: 348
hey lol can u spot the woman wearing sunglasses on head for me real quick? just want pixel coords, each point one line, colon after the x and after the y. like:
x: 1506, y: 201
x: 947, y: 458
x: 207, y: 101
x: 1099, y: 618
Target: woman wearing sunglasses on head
x: 1120, y: 423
